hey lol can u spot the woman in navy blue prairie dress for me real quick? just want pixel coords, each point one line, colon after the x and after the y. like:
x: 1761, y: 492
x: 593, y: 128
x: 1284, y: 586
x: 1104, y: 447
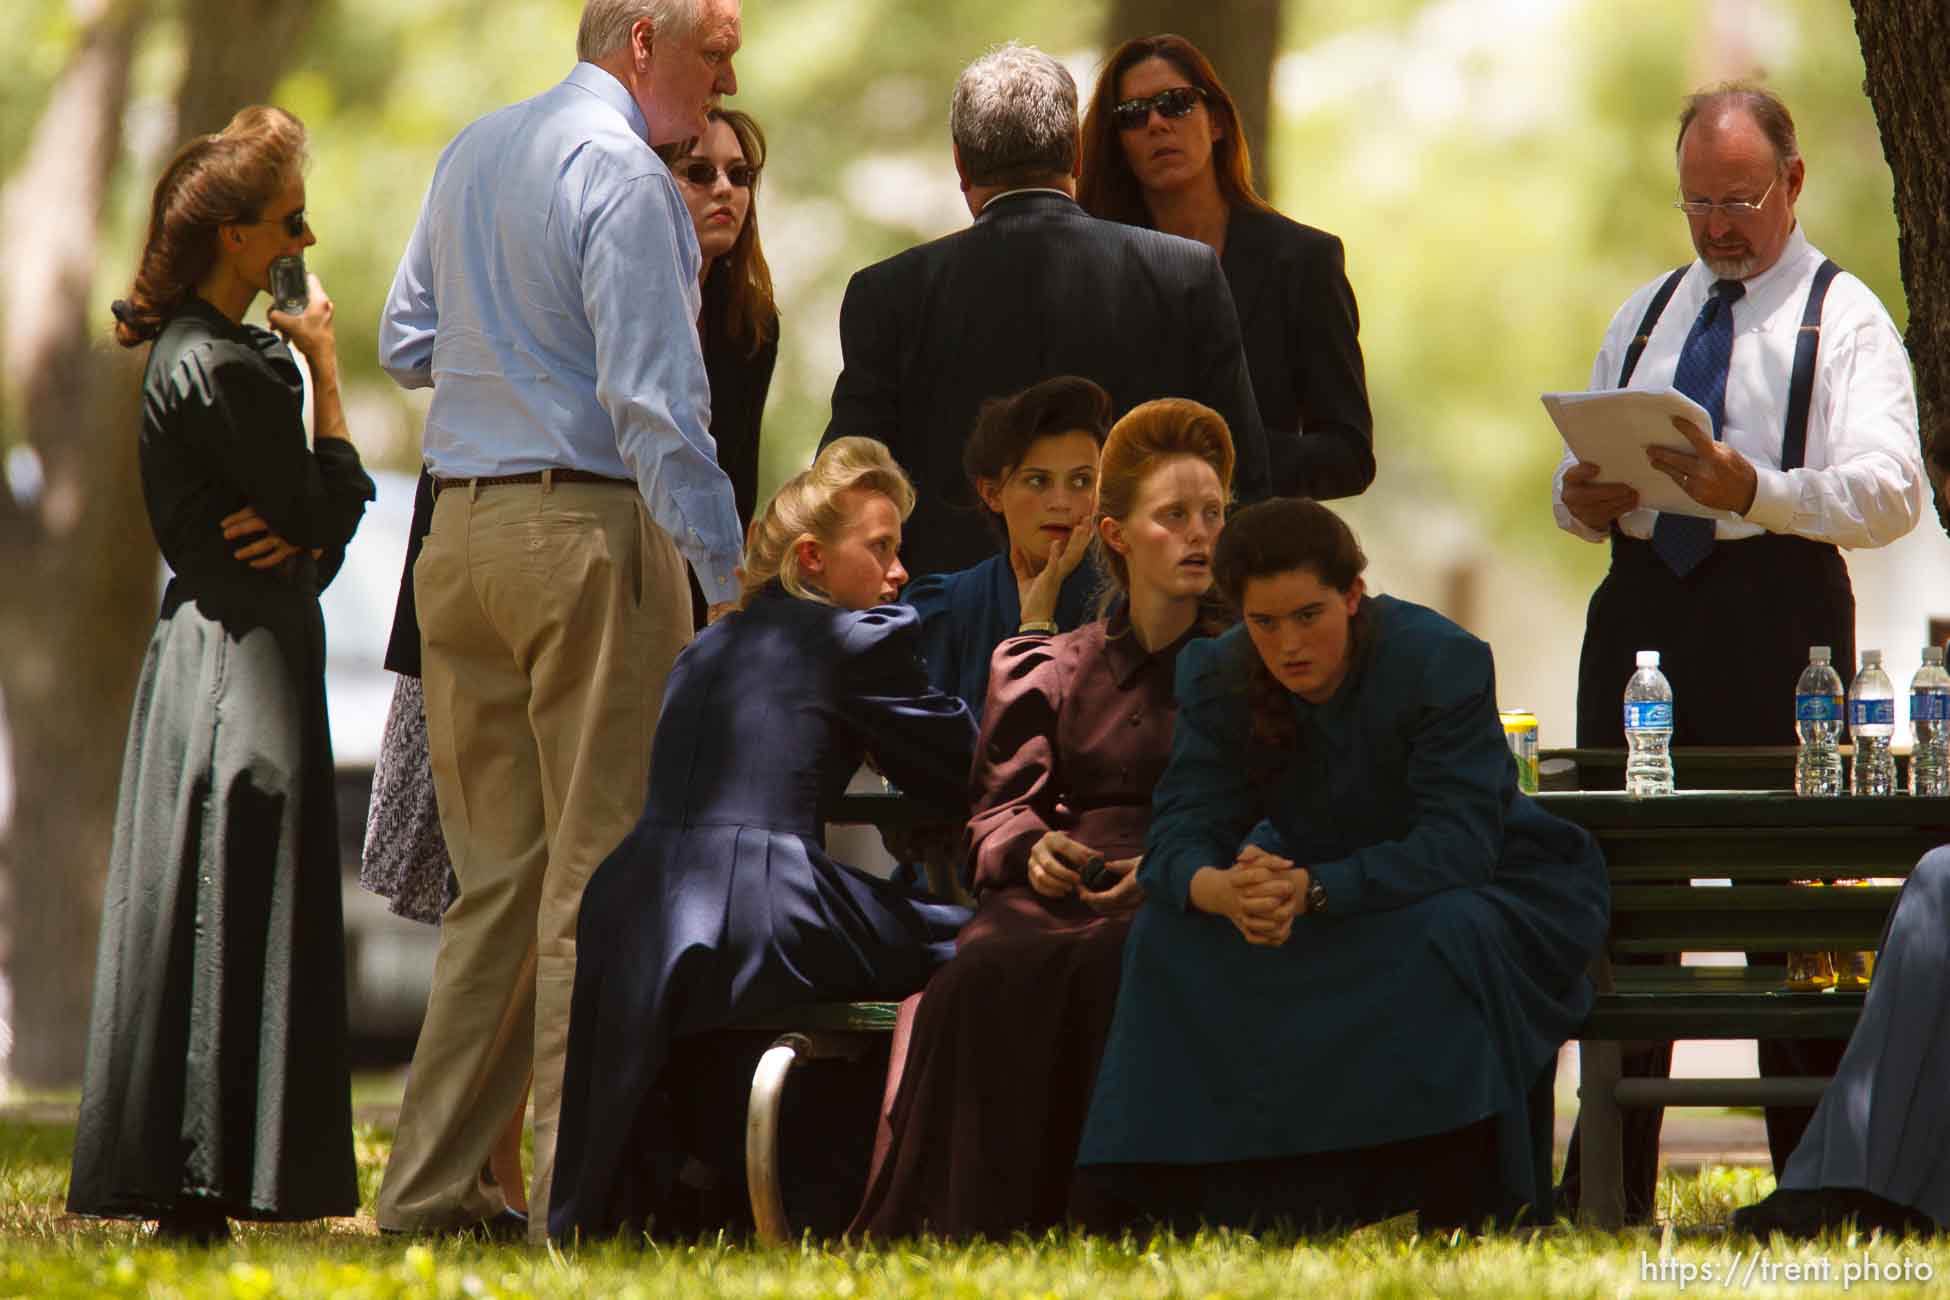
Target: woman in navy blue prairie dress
x: 722, y: 904
x: 1340, y: 1017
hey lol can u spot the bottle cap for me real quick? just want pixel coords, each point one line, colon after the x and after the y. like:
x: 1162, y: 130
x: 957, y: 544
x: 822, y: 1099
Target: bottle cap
x: 1819, y: 654
x: 1871, y: 657
x: 1648, y: 659
x: 1932, y: 654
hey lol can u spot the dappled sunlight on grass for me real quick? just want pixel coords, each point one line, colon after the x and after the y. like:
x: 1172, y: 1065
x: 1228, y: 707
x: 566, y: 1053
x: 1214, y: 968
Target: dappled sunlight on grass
x: 46, y: 1252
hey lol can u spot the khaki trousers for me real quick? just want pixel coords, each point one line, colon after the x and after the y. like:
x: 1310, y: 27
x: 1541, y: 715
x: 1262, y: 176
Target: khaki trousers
x: 550, y: 614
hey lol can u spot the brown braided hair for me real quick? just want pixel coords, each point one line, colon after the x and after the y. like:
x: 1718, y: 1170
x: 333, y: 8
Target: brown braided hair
x: 1265, y: 540
x: 218, y: 180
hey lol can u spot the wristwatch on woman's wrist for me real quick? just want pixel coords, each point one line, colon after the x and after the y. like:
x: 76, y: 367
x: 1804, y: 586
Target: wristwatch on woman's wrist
x: 1316, y: 894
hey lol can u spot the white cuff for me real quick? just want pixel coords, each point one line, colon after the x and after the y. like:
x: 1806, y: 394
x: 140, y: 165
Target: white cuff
x: 1774, y: 500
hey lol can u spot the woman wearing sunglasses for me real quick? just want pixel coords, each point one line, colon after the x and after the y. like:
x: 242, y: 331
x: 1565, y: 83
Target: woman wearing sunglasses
x: 717, y: 174
x: 217, y: 1085
x: 1163, y: 147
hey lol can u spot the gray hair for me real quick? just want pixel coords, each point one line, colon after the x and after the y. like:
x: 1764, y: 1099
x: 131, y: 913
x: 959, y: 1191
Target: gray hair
x: 606, y: 24
x: 1014, y: 117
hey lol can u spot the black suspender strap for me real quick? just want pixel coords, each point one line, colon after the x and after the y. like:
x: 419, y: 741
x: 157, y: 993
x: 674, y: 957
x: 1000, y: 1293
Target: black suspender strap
x: 1652, y: 312
x: 1801, y: 388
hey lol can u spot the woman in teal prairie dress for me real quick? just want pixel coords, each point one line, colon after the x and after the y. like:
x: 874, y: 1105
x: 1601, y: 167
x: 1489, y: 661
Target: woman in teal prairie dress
x: 1343, y: 1018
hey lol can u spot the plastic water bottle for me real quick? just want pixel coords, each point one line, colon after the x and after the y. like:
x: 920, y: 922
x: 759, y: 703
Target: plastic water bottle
x: 1818, y: 713
x: 1871, y: 725
x: 1648, y: 729
x: 1929, y: 718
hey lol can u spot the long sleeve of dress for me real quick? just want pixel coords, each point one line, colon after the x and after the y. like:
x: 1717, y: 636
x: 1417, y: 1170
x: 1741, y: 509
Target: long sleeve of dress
x: 929, y: 597
x: 922, y: 738
x: 239, y: 409
x: 1016, y: 782
x: 1456, y: 776
x: 1206, y: 801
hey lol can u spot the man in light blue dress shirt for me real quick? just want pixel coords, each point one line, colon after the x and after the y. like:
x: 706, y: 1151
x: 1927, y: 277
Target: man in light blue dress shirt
x: 549, y: 296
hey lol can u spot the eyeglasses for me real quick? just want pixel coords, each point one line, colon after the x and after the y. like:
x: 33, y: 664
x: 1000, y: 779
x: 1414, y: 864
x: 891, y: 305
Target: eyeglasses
x: 1173, y: 103
x: 702, y: 173
x: 1734, y: 209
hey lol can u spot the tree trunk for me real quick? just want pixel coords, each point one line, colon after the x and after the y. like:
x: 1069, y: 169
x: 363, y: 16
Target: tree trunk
x: 80, y: 568
x: 1240, y: 37
x: 1907, y: 58
x: 80, y: 591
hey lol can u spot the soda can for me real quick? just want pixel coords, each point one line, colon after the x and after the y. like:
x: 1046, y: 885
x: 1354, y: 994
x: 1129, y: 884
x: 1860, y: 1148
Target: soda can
x: 1520, y: 730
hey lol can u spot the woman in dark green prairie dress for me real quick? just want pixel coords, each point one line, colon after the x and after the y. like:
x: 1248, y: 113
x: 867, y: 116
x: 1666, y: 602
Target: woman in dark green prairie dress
x: 1340, y: 1016
x: 217, y: 1085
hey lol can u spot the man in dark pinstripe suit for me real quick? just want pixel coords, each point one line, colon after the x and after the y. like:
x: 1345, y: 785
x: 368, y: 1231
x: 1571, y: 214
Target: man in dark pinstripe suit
x: 1033, y: 289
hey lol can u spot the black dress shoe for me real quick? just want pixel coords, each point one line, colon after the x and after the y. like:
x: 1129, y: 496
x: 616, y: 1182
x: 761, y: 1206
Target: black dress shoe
x: 193, y: 1223
x: 1805, y: 1214
x: 509, y: 1225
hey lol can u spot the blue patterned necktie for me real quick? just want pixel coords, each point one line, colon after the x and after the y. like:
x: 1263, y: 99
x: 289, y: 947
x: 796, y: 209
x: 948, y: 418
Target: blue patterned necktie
x: 1681, y: 540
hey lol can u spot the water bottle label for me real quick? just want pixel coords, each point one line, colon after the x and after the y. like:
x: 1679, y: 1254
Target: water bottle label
x: 1817, y: 708
x: 1929, y: 706
x: 1871, y: 713
x: 1648, y: 715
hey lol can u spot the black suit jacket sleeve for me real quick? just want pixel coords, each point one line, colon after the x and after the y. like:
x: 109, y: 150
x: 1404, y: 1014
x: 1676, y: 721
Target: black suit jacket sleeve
x: 1225, y: 383
x: 1302, y: 332
x: 866, y: 397
x: 1333, y: 455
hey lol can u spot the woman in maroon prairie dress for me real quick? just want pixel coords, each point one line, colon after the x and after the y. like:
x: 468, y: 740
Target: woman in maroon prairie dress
x: 988, y: 1100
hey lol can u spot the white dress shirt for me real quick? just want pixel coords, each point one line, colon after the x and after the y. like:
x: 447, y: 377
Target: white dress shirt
x: 1862, y: 481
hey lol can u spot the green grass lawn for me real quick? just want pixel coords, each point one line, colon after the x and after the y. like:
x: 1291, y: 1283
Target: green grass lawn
x: 44, y: 1252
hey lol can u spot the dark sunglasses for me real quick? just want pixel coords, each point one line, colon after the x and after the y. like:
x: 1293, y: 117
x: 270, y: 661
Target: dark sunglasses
x: 701, y: 173
x: 293, y: 223
x: 1173, y: 103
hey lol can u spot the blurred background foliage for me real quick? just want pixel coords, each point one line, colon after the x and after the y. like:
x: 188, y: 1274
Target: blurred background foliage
x: 1501, y: 172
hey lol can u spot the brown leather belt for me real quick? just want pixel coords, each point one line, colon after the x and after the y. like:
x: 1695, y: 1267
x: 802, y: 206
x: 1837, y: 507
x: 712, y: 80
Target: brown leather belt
x: 533, y: 476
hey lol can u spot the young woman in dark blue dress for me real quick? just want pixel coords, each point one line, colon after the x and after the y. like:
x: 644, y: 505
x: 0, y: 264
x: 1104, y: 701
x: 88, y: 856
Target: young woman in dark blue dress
x: 722, y: 903
x: 1338, y: 1013
x: 1032, y: 462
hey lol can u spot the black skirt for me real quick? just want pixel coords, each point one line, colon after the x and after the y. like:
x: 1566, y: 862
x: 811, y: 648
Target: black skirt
x: 216, y: 1045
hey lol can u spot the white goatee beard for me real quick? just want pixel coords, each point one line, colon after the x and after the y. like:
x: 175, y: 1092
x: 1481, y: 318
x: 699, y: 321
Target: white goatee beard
x: 1729, y: 269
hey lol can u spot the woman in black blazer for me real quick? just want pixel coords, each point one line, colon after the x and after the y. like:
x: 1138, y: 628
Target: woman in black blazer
x: 717, y: 173
x: 1163, y: 147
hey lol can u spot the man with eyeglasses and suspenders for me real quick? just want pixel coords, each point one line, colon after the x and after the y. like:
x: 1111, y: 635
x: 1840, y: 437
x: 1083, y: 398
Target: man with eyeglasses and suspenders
x: 1813, y: 448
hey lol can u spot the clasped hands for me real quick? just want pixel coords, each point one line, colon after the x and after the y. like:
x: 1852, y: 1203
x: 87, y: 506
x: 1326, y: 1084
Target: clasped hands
x: 1260, y: 893
x: 1056, y: 864
x: 1712, y: 473
x: 268, y: 551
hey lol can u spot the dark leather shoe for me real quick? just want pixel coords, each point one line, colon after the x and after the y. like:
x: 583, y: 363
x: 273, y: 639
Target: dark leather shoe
x: 193, y: 1223
x: 1804, y: 1214
x: 509, y: 1225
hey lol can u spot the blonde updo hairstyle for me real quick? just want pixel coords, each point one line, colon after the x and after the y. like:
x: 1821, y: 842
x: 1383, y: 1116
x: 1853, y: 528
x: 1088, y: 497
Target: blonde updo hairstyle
x: 807, y: 506
x: 1147, y: 436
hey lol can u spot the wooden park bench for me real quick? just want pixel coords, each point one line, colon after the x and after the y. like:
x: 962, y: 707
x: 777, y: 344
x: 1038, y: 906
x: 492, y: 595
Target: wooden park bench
x: 1761, y: 841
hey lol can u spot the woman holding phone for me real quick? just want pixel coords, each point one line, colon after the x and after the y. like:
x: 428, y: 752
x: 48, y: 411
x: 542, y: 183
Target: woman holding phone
x: 216, y: 1084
